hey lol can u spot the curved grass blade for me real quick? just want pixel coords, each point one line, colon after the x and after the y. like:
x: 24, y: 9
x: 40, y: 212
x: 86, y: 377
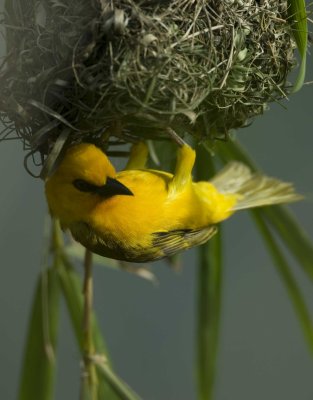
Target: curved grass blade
x: 281, y: 220
x: 209, y: 299
x: 120, y: 388
x: 71, y: 285
x: 72, y: 290
x: 293, y: 235
x: 38, y: 373
x: 287, y: 277
x: 298, y: 21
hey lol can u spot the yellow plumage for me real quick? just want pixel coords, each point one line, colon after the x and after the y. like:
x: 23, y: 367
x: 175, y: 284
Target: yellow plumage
x: 143, y: 215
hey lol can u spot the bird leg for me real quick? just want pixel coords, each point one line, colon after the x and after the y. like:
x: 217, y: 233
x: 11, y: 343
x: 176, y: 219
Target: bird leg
x: 138, y: 156
x: 185, y: 161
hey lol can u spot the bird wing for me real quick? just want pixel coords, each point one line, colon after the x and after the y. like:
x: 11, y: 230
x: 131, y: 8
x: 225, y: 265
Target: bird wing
x: 170, y: 242
x: 163, y: 244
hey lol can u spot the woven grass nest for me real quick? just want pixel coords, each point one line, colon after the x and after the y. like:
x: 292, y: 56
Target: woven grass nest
x: 122, y: 70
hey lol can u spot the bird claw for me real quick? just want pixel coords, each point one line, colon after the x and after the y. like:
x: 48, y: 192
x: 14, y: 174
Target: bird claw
x: 177, y: 139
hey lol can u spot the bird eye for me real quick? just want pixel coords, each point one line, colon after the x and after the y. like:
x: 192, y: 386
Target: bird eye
x: 83, y: 186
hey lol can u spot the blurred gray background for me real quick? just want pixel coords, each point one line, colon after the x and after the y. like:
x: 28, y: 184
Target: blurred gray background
x: 150, y: 330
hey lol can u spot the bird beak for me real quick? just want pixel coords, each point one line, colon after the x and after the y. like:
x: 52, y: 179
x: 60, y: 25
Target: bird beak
x: 113, y: 187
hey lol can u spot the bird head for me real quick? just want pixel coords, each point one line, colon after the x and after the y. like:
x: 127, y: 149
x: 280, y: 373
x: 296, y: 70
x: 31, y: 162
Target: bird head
x: 84, y: 177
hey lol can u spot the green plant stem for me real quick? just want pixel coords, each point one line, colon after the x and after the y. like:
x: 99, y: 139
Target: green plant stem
x: 209, y: 307
x: 120, y: 388
x: 56, y: 245
x: 89, y: 376
x: 109, y: 385
x: 209, y: 297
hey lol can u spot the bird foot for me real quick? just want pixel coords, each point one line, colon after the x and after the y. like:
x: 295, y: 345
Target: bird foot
x: 177, y: 139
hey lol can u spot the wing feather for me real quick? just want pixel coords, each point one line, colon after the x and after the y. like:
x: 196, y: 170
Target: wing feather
x: 171, y: 242
x: 163, y: 244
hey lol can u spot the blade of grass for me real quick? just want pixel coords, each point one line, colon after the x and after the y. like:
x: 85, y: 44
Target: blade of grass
x: 89, y: 376
x: 280, y: 219
x: 72, y: 290
x: 209, y: 298
x: 209, y: 307
x: 298, y: 21
x: 120, y: 388
x: 71, y: 285
x: 289, y: 280
x: 38, y: 373
x: 293, y: 235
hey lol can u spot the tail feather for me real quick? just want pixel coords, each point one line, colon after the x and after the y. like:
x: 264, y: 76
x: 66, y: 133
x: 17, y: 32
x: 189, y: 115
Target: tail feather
x: 253, y: 189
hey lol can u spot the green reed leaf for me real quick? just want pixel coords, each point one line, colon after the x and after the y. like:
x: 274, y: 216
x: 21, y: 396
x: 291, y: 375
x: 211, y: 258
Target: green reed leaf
x: 209, y: 298
x: 209, y: 309
x: 279, y: 217
x: 118, y: 386
x: 72, y: 290
x: 287, y: 277
x: 38, y: 373
x: 298, y: 21
x: 110, y: 386
x: 290, y: 232
x: 293, y: 235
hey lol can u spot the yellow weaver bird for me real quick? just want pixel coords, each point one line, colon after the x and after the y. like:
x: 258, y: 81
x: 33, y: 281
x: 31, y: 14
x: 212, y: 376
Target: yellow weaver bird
x: 141, y: 214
